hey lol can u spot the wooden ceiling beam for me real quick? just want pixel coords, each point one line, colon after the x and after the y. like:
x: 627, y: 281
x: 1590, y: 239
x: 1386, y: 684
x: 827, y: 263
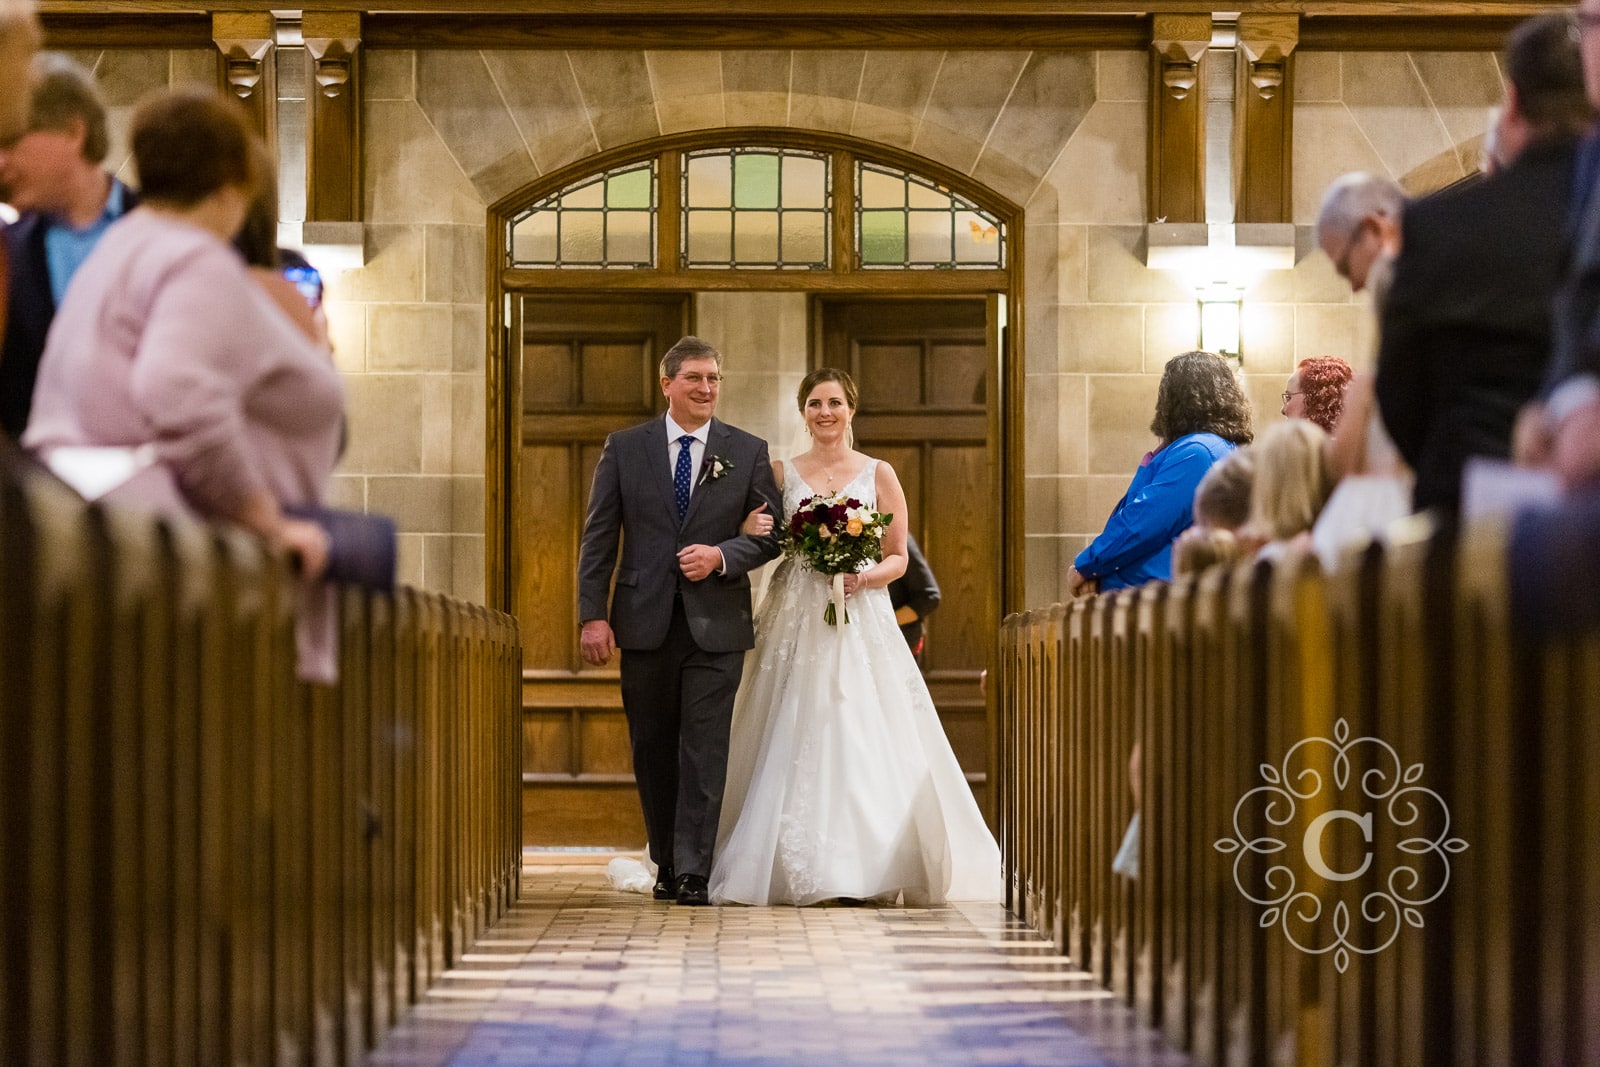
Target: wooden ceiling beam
x: 488, y: 31
x: 974, y: 10
x: 1327, y: 25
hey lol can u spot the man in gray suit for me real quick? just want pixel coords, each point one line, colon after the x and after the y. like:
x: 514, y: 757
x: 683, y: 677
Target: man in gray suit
x: 675, y: 490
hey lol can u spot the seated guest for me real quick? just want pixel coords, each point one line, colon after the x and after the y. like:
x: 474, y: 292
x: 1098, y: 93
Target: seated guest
x: 1222, y: 501
x: 1201, y: 415
x: 167, y: 354
x: 53, y: 175
x: 1201, y: 547
x: 1316, y: 391
x: 1292, y: 483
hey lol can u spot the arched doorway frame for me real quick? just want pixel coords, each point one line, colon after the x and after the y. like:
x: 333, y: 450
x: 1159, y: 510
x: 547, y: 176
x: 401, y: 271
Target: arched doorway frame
x: 503, y: 372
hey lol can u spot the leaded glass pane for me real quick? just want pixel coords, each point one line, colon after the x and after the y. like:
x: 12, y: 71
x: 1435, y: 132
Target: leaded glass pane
x: 629, y: 191
x: 805, y: 239
x: 606, y: 220
x: 755, y: 181
x: 535, y: 240
x: 581, y: 233
x: 773, y: 205
x: 628, y: 235
x: 709, y: 181
x: 805, y: 182
x: 924, y: 196
x: 977, y: 240
x: 937, y: 228
x: 755, y: 238
x: 710, y: 237
x: 879, y: 189
x: 592, y: 195
x: 883, y: 237
x: 930, y: 234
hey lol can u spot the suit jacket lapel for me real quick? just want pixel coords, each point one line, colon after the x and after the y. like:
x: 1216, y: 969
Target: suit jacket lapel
x: 655, y: 445
x: 716, y: 440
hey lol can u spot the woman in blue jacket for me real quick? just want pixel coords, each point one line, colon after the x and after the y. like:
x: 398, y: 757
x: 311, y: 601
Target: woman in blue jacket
x: 1201, y: 416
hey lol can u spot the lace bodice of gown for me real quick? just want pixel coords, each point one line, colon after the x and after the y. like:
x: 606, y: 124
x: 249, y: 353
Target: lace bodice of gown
x: 864, y: 487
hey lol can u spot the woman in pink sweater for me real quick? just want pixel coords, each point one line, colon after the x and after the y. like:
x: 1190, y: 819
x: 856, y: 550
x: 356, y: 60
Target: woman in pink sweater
x: 166, y: 347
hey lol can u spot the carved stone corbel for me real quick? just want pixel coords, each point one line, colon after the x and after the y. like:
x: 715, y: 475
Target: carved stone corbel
x: 248, y: 69
x: 333, y: 115
x: 1178, y: 46
x: 1263, y: 116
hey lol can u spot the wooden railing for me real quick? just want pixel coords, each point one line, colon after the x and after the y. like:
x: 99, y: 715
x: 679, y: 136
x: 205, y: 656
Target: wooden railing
x: 203, y: 861
x: 1217, y: 680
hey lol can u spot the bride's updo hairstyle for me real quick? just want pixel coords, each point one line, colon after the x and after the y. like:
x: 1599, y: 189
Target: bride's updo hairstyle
x: 827, y: 374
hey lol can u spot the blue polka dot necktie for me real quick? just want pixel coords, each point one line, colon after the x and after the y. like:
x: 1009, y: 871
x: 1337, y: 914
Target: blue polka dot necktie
x: 682, y: 473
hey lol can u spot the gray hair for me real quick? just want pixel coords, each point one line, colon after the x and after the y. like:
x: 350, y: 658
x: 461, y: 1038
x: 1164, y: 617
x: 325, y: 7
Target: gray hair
x: 63, y: 91
x: 686, y: 349
x: 1356, y: 196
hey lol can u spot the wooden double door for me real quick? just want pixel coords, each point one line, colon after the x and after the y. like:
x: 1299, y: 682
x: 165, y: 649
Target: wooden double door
x: 924, y: 368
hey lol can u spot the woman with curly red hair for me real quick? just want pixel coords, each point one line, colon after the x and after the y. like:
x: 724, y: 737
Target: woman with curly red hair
x: 1316, y: 391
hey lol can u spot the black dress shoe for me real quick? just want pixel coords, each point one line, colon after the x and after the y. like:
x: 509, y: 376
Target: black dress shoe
x: 692, y: 890
x: 666, y: 885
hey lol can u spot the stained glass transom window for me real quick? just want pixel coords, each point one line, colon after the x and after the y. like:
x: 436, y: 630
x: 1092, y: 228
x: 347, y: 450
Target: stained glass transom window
x: 903, y: 221
x: 756, y: 208
x: 607, y: 220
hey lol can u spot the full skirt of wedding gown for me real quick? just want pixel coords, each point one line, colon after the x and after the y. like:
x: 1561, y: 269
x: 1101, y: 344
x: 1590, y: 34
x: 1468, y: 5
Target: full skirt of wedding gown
x: 841, y: 782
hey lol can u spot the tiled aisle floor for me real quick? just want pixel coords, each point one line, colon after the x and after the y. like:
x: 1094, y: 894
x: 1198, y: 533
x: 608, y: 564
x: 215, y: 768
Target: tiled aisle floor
x: 581, y: 974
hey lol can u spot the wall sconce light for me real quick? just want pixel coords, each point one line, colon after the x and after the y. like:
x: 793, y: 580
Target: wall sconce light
x: 1221, y: 307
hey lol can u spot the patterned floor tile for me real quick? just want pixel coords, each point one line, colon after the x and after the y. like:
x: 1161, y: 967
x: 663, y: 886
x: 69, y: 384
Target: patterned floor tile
x: 581, y: 975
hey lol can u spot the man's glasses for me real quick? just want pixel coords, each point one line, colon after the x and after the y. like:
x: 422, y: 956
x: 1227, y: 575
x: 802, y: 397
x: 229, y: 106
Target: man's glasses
x: 1286, y: 395
x: 697, y: 380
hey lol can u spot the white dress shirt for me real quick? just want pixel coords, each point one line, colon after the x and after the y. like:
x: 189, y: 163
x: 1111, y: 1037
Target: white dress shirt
x: 697, y: 451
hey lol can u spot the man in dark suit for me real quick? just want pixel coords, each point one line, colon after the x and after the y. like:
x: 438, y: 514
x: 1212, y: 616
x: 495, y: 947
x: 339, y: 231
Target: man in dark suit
x: 675, y: 490
x: 53, y: 174
x: 1559, y: 429
x: 914, y: 594
x: 1466, y: 326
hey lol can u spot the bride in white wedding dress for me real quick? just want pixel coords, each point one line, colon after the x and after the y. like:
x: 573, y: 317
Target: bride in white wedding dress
x: 841, y: 782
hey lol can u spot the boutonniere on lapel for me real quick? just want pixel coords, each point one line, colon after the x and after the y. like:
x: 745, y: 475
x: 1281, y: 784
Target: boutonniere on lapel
x: 715, y: 467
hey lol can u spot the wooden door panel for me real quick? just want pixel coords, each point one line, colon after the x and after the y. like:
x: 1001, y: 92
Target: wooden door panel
x: 612, y: 374
x: 888, y: 376
x: 547, y: 585
x: 589, y: 368
x: 605, y: 748
x: 961, y: 537
x: 907, y: 463
x: 957, y: 373
x: 547, y: 741
x: 549, y: 376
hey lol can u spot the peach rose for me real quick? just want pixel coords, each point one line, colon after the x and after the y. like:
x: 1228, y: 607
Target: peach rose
x: 823, y: 532
x: 853, y: 527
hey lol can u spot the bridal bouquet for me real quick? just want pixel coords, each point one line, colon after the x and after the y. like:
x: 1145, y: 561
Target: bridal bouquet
x: 834, y: 535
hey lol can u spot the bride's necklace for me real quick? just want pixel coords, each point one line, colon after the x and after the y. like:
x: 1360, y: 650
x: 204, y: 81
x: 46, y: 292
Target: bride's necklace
x: 827, y: 470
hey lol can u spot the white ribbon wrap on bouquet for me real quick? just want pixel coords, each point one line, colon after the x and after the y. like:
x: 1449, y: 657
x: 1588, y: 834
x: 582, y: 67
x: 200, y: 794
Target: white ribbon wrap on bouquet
x: 836, y: 591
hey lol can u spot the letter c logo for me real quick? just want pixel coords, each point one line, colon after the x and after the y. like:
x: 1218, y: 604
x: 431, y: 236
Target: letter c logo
x: 1313, y: 843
